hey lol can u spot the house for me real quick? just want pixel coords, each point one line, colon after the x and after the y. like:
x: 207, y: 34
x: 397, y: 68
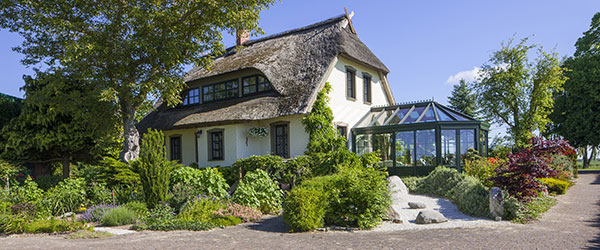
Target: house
x: 252, y: 100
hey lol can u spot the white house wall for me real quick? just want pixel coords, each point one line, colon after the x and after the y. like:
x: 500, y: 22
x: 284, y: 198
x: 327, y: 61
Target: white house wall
x: 237, y: 143
x: 346, y: 111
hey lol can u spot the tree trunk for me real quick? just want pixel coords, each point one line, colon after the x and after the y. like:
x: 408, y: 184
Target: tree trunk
x: 593, y: 155
x: 66, y: 166
x: 586, y: 162
x: 131, y: 142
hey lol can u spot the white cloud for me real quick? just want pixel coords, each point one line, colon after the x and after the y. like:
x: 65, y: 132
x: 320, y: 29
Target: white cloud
x: 467, y: 75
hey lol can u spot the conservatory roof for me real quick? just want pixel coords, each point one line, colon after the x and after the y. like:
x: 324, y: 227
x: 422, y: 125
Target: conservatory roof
x: 412, y: 113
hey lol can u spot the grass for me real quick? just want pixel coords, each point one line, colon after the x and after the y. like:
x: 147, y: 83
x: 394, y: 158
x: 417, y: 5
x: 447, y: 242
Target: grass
x: 594, y: 165
x: 85, y: 234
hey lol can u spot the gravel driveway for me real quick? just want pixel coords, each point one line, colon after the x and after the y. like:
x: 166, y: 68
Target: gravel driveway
x: 574, y: 223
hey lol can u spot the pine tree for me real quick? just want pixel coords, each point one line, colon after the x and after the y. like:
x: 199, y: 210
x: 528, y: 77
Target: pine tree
x: 154, y: 168
x: 462, y: 99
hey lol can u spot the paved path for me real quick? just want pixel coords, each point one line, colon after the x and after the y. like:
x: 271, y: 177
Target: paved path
x: 574, y: 223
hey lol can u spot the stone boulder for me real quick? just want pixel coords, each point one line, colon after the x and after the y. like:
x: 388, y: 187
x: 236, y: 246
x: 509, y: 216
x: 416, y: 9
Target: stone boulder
x: 416, y: 205
x: 496, y: 202
x: 394, y: 216
x: 430, y: 216
x: 397, y: 189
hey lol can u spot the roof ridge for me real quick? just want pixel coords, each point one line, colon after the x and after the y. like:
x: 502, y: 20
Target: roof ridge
x: 296, y: 30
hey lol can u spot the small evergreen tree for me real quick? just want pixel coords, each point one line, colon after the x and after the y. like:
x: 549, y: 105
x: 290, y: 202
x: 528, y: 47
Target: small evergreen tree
x: 154, y: 168
x: 462, y: 99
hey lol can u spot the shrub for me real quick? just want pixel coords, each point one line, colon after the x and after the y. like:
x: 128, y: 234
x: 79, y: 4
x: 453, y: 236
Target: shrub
x: 468, y: 194
x: 564, y: 165
x: 295, y: 170
x: 162, y: 218
x: 127, y: 193
x: 259, y: 191
x: 119, y: 216
x: 53, y: 225
x: 471, y: 197
x: 29, y: 192
x: 97, y: 193
x: 69, y: 195
x: 526, y: 211
x: 200, y: 209
x: 116, y: 173
x: 228, y: 174
x: 353, y: 197
x: 184, y: 175
x: 556, y: 186
x: 483, y: 169
x: 212, y: 183
x: 10, y: 224
x: 245, y: 213
x: 154, y: 168
x: 439, y: 182
x: 140, y: 208
x: 45, y: 182
x: 23, y: 208
x: 520, y: 176
x: 224, y: 221
x: 411, y: 182
x: 96, y: 212
x: 304, y: 208
x: 180, y: 194
x: 272, y: 164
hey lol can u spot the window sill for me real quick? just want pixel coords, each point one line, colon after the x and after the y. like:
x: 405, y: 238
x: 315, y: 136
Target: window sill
x: 216, y: 160
x: 350, y: 98
x: 368, y: 103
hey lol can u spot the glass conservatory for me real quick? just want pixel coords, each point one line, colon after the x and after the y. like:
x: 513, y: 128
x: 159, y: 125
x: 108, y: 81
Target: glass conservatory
x: 414, y: 138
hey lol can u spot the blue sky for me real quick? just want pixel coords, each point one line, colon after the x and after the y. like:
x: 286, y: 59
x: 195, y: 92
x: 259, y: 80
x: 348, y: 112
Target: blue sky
x: 423, y: 43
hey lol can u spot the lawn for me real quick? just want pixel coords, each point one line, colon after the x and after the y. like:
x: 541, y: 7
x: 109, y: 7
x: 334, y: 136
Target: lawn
x: 594, y: 165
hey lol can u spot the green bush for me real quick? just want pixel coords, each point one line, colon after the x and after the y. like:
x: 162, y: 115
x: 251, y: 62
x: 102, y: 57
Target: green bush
x: 483, y: 169
x: 68, y: 196
x: 295, y: 170
x: 258, y: 190
x: 225, y: 221
x: 212, y: 183
x: 119, y: 216
x: 272, y: 164
x: 353, y: 197
x: 180, y: 194
x: 466, y: 192
x: 162, y: 218
x: 471, y: 197
x: 138, y: 207
x: 439, y: 182
x: 29, y: 192
x: 526, y: 211
x: 564, y: 165
x: 184, y: 175
x: 304, y: 208
x: 53, y: 225
x: 411, y: 182
x: 116, y: 173
x: 200, y: 209
x: 10, y: 224
x: 45, y: 182
x: 228, y: 174
x: 556, y: 186
x: 154, y: 168
x: 97, y: 193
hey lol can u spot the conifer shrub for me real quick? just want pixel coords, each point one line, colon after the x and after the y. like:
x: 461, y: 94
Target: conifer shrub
x: 154, y: 168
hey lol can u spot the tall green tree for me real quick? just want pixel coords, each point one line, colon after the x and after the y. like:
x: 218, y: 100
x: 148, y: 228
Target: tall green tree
x: 129, y: 49
x: 62, y: 120
x: 518, y: 92
x: 462, y: 98
x: 576, y: 114
x: 154, y: 168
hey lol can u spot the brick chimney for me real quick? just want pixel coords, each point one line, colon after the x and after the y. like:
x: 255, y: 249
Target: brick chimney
x: 241, y: 37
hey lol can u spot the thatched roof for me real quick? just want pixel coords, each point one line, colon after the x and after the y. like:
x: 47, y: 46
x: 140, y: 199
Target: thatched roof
x: 295, y: 63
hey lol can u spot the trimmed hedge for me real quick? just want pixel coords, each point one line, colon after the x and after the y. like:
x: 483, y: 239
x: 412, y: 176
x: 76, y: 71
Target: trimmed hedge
x: 556, y: 186
x: 304, y: 208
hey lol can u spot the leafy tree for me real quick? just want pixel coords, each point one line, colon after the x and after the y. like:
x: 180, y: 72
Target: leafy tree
x: 516, y: 91
x: 131, y: 50
x: 10, y: 107
x: 462, y: 99
x: 576, y: 109
x: 154, y: 168
x: 62, y: 120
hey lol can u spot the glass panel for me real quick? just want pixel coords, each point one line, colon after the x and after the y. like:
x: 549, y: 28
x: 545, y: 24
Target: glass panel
x: 264, y: 86
x: 449, y: 147
x: 383, y: 144
x: 399, y: 116
x: 467, y: 141
x: 405, y: 147
x: 364, y: 144
x: 429, y: 116
x: 426, y: 147
x: 443, y: 116
x: 460, y: 117
x: 414, y: 115
x: 483, y: 143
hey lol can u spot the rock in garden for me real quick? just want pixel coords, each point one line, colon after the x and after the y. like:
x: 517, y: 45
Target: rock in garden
x: 430, y: 216
x: 416, y: 205
x: 496, y: 202
x: 393, y: 215
x: 67, y: 214
x: 397, y: 189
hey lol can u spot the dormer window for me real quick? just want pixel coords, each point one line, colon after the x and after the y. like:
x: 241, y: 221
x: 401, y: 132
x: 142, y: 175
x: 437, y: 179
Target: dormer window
x: 192, y: 96
x: 220, y: 91
x: 255, y: 84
